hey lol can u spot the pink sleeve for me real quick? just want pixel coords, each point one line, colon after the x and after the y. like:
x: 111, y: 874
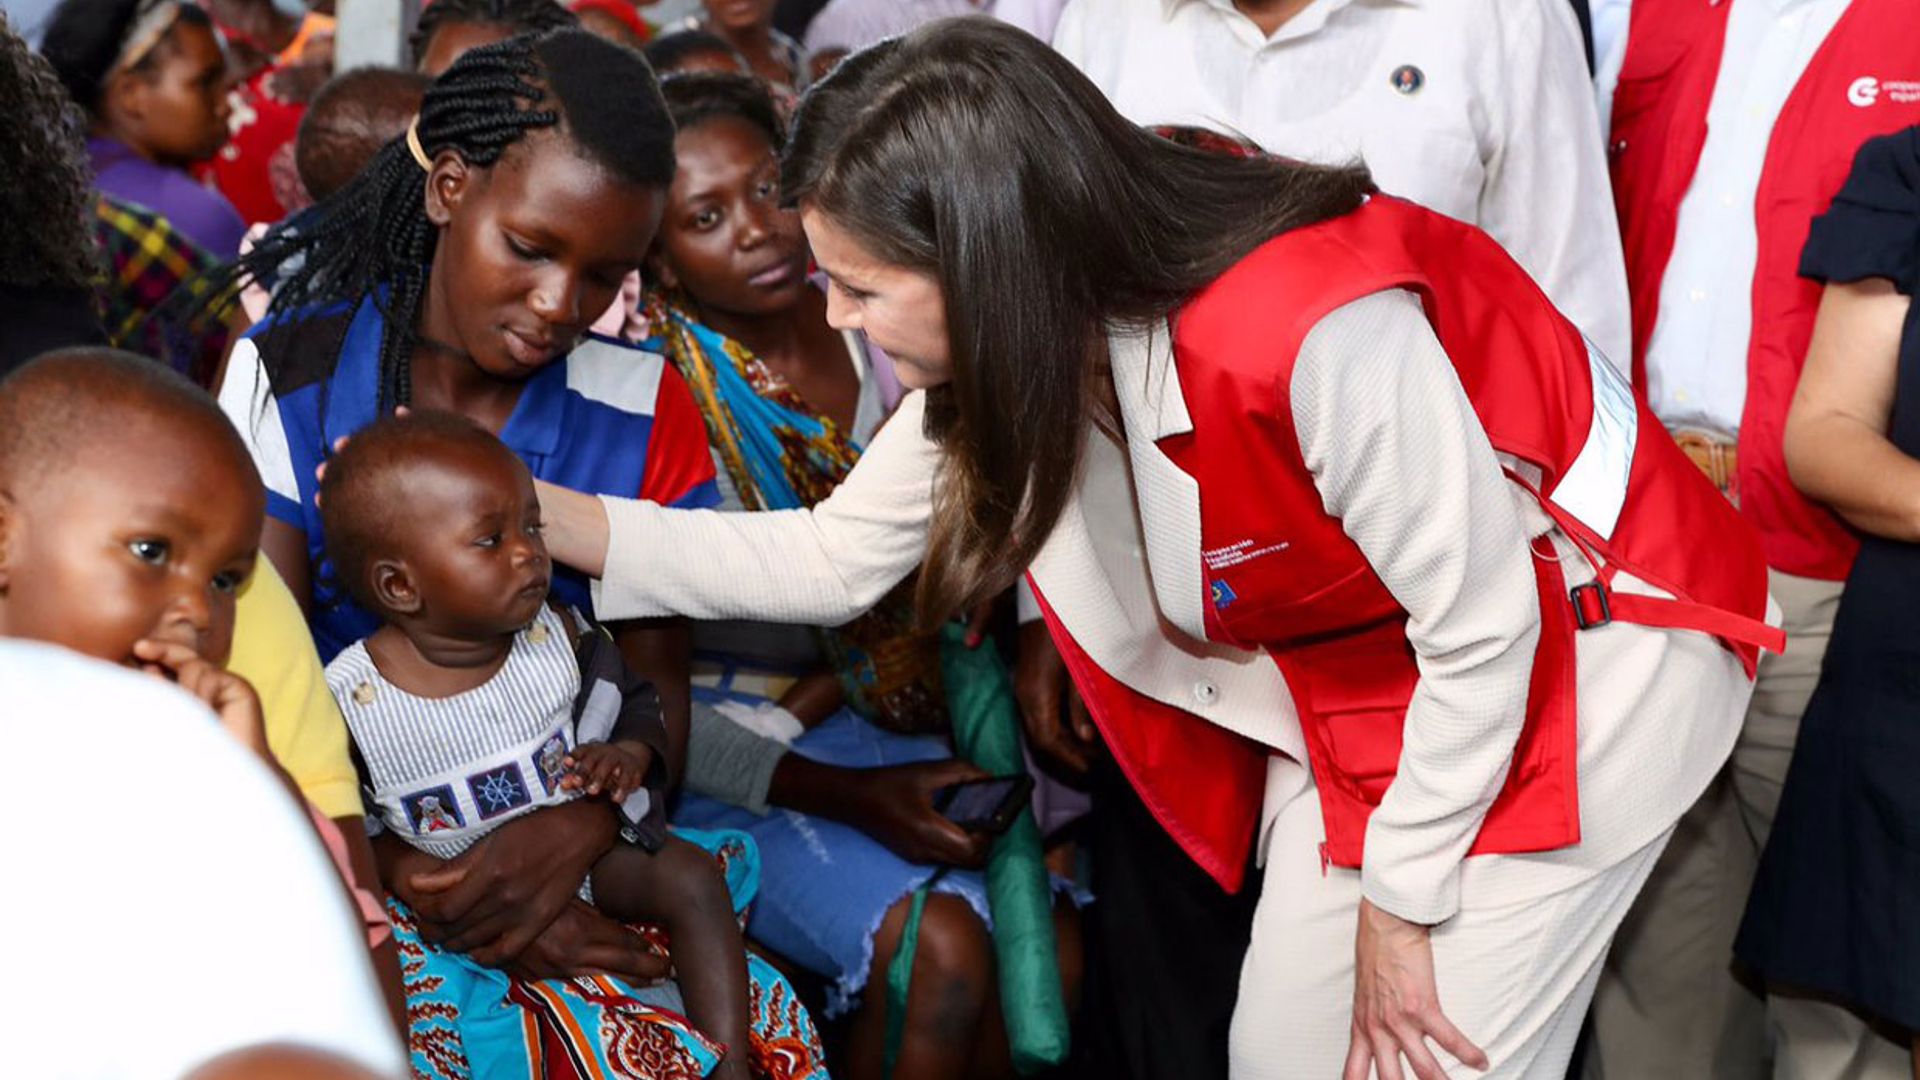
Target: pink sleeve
x: 371, y: 913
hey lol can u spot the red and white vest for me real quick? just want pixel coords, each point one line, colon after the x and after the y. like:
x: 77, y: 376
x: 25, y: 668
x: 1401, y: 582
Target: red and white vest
x: 1609, y: 476
x: 1864, y: 81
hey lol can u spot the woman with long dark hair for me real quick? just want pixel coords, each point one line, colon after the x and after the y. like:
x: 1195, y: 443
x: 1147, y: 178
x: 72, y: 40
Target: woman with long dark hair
x: 1402, y: 564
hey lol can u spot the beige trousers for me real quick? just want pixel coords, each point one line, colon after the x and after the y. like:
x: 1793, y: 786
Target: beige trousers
x: 1668, y: 1004
x: 1514, y: 977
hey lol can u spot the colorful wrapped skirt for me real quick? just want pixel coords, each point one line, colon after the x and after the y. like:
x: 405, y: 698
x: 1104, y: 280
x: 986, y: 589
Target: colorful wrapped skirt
x: 466, y: 1021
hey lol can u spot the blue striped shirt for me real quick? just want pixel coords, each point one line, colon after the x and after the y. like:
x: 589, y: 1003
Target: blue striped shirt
x: 607, y: 418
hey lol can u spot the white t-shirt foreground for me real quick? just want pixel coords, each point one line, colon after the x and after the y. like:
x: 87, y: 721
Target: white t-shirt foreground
x: 166, y: 901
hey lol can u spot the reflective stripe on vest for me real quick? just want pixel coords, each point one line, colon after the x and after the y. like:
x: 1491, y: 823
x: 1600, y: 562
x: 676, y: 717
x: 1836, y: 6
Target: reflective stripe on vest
x: 1594, y: 488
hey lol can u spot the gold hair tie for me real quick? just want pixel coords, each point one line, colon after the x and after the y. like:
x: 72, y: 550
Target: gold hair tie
x: 413, y: 144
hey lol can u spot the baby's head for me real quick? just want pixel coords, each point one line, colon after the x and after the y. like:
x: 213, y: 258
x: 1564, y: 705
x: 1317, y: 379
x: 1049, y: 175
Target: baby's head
x: 129, y: 507
x: 350, y: 119
x: 433, y: 524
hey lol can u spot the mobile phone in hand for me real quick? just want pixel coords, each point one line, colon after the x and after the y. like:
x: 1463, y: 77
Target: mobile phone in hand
x: 989, y: 806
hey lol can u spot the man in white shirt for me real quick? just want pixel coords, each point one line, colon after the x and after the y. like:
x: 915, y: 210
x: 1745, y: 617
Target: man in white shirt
x: 1731, y: 125
x: 1480, y: 109
x: 169, y: 902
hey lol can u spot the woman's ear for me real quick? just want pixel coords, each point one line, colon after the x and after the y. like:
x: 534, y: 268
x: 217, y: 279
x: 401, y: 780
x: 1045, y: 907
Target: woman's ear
x: 393, y: 587
x: 447, y: 183
x: 123, y: 104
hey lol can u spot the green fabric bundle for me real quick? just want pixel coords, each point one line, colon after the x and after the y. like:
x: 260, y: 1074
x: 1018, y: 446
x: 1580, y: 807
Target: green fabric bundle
x: 986, y: 731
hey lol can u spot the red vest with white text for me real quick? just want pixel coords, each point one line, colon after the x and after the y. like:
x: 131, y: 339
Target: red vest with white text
x: 1282, y: 575
x: 1864, y: 81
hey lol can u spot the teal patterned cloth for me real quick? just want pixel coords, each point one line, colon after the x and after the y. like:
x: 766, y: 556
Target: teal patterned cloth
x: 467, y: 1021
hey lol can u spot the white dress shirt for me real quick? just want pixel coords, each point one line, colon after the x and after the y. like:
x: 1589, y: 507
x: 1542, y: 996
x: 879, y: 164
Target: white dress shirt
x: 1480, y: 109
x: 1610, y: 19
x: 1697, y: 357
x: 172, y: 859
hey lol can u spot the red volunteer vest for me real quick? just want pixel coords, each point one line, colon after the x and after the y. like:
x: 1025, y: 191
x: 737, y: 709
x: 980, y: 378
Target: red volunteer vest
x: 1281, y: 574
x: 1864, y: 81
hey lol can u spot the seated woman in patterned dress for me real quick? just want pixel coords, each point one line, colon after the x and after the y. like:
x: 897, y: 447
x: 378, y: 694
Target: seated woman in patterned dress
x: 789, y: 404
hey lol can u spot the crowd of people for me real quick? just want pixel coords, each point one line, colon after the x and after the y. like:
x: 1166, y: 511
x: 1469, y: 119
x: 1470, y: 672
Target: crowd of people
x: 967, y: 538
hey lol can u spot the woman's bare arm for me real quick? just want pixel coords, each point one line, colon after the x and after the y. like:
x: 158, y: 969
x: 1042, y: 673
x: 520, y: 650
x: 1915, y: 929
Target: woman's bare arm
x: 1836, y: 443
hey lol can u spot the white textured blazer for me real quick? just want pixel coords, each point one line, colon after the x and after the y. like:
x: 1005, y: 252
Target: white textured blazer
x: 1398, y: 455
x: 828, y: 565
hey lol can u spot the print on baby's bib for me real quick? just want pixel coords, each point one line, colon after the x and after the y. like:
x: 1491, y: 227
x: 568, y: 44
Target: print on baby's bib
x: 550, y: 763
x: 497, y: 791
x: 433, y: 810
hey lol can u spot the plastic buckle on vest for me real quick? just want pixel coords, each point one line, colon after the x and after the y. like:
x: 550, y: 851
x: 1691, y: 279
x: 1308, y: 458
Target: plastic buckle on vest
x: 1591, y: 607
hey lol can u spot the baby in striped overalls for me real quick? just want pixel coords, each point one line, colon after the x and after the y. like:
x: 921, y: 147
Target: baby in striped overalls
x: 478, y: 701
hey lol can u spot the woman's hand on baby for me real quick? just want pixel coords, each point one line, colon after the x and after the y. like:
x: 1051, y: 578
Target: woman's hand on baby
x: 496, y: 897
x: 320, y: 470
x: 614, y: 769
x: 230, y: 697
x: 581, y: 941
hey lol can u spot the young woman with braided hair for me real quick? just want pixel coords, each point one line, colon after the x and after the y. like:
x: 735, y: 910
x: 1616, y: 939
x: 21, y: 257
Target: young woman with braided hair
x: 459, y: 272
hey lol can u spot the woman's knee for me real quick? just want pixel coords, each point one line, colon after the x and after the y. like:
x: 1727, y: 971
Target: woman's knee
x: 953, y: 967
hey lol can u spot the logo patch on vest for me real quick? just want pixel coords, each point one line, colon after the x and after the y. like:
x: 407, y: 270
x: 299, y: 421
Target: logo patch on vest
x: 1223, y: 595
x: 1408, y: 79
x: 1867, y: 91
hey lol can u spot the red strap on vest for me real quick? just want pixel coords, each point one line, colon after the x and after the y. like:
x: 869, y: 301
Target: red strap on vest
x: 1595, y: 603
x: 1682, y: 615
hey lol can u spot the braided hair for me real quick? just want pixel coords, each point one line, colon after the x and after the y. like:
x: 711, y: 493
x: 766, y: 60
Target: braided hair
x: 372, y: 238
x: 517, y: 16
